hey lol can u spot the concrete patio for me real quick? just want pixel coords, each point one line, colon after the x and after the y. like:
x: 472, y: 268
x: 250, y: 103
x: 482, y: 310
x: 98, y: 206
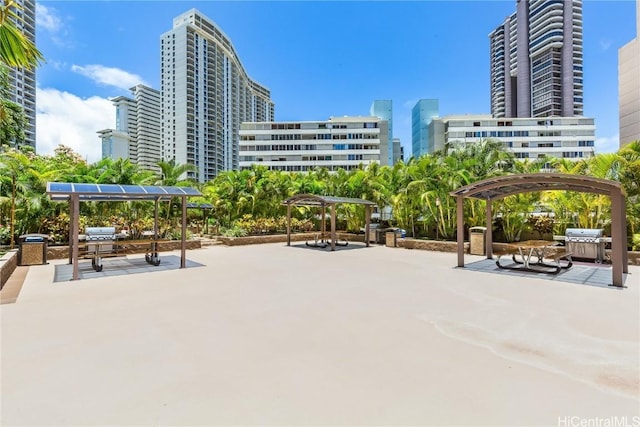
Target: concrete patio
x: 276, y: 335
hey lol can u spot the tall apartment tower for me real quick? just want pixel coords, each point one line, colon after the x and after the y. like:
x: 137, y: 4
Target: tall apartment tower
x: 421, y: 115
x: 383, y: 108
x: 23, y: 82
x: 206, y: 93
x: 629, y: 87
x: 536, y: 61
x: 137, y: 132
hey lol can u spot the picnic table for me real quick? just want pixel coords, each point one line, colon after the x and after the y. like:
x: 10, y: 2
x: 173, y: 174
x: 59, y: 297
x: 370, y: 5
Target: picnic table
x: 523, y: 254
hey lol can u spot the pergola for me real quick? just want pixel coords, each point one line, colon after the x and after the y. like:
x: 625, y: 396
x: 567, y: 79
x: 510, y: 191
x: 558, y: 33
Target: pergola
x: 502, y: 186
x: 74, y: 193
x: 204, y: 207
x: 324, y: 202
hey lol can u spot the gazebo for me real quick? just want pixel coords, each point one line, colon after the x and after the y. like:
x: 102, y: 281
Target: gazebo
x: 74, y: 193
x: 323, y: 202
x: 499, y: 187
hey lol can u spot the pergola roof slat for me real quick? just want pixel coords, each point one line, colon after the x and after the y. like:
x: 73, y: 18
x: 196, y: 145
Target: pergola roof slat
x: 318, y: 200
x: 61, y: 191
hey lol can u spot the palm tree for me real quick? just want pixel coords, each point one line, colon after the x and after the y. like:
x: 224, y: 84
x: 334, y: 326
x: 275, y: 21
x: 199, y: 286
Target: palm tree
x: 16, y: 50
x: 171, y: 173
x: 12, y: 118
x: 14, y: 166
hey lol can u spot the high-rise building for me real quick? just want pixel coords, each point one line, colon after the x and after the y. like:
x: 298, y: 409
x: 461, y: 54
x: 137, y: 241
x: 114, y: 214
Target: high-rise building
x: 527, y: 137
x: 421, y: 115
x: 137, y: 132
x: 536, y: 60
x: 629, y: 87
x: 398, y: 152
x: 337, y: 143
x: 22, y: 82
x: 383, y: 108
x: 206, y: 93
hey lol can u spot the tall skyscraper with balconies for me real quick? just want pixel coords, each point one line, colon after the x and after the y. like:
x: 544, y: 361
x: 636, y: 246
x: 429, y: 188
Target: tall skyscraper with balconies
x: 206, y: 93
x: 22, y: 82
x: 137, y: 133
x: 536, y: 61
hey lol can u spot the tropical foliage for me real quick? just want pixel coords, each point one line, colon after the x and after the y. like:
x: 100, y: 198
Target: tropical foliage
x: 250, y: 201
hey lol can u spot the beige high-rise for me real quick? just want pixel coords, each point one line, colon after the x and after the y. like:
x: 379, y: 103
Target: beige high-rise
x: 629, y: 87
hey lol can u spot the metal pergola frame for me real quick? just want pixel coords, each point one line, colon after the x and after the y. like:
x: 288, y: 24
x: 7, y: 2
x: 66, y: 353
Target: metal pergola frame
x: 324, y: 202
x: 204, y: 207
x: 74, y: 193
x: 499, y: 187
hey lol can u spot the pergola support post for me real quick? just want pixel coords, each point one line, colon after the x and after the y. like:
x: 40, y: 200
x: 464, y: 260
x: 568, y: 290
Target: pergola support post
x: 74, y: 231
x: 323, y: 223
x: 288, y: 224
x: 460, y: 229
x: 367, y: 223
x: 618, y: 237
x: 183, y: 243
x: 72, y: 237
x: 489, y: 235
x: 333, y: 227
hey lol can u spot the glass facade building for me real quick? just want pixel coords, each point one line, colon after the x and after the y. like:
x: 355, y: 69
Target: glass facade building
x: 421, y: 115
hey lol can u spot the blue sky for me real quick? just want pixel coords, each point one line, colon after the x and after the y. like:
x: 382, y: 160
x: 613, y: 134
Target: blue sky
x: 318, y: 58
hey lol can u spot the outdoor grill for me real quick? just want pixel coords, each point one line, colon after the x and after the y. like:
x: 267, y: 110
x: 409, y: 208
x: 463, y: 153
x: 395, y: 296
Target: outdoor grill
x: 99, y: 234
x: 586, y: 243
x: 104, y: 237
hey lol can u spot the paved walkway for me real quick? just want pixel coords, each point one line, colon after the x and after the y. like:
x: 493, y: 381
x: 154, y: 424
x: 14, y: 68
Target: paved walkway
x: 276, y: 335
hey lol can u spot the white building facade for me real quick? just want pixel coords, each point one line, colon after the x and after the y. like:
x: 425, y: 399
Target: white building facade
x: 206, y: 93
x: 137, y: 133
x: 338, y: 143
x: 528, y: 138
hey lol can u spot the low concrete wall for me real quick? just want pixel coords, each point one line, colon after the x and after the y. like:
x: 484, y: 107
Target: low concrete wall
x: 282, y: 238
x: 8, y: 264
x: 441, y: 246
x: 431, y: 245
x: 129, y: 247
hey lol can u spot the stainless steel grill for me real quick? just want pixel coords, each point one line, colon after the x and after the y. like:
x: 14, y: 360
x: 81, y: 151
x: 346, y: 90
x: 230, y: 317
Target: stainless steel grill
x: 586, y: 243
x: 102, y: 238
x: 94, y: 234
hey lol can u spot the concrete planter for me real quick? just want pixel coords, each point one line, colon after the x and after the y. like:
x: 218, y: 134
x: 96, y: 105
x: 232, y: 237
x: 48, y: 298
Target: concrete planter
x: 442, y: 246
x: 8, y: 264
x: 131, y: 247
x: 282, y: 238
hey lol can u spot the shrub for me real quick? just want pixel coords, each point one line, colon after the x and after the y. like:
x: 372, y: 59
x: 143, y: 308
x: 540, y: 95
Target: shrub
x: 235, y: 231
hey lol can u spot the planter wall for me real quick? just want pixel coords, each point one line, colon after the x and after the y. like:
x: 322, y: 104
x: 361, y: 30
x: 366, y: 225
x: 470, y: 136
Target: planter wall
x: 441, y: 246
x: 282, y: 238
x: 131, y: 247
x: 8, y: 264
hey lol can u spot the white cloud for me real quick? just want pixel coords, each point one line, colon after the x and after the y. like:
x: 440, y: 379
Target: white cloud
x: 109, y: 76
x: 64, y: 118
x: 607, y: 144
x: 47, y: 18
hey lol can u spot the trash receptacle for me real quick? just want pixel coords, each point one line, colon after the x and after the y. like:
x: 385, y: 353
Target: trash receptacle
x: 477, y: 240
x: 391, y: 237
x: 32, y: 249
